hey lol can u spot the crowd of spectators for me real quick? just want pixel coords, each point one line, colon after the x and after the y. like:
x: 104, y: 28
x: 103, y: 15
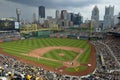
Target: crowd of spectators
x: 9, y: 36
x: 109, y: 60
x: 113, y: 43
x: 108, y: 68
x: 12, y: 69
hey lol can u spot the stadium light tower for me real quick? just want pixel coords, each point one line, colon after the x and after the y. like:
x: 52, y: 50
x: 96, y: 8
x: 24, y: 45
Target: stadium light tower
x: 18, y: 12
x: 91, y: 27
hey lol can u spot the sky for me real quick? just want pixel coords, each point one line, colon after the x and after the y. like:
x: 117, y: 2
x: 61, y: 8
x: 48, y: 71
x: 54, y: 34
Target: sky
x: 28, y: 7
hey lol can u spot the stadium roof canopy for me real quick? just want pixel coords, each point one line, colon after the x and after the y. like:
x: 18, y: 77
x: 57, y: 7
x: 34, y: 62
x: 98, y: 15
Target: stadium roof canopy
x: 115, y: 33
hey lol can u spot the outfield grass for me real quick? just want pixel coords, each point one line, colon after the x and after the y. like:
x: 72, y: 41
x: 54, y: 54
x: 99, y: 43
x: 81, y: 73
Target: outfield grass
x: 18, y: 48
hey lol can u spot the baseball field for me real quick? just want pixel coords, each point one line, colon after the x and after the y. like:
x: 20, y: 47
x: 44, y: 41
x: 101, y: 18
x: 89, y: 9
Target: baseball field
x: 65, y: 56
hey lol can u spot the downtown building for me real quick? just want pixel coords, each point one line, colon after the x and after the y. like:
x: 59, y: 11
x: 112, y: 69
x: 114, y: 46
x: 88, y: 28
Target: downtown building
x: 77, y: 19
x: 66, y: 19
x: 57, y: 14
x: 62, y: 18
x: 119, y: 18
x: 95, y: 19
x: 41, y: 14
x: 108, y: 17
x: 116, y: 20
x: 35, y: 18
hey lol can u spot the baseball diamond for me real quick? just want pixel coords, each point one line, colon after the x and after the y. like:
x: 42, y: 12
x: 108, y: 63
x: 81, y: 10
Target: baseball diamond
x: 61, y: 55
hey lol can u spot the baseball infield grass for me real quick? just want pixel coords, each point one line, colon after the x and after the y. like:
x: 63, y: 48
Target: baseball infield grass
x: 54, y: 54
x: 18, y: 48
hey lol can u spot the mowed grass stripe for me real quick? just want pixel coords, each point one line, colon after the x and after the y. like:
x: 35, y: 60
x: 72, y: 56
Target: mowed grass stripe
x: 54, y: 42
x: 24, y: 43
x: 24, y: 46
x: 39, y: 41
x: 14, y: 45
x: 57, y: 42
x: 80, y: 44
x: 85, y: 56
x: 72, y: 55
x: 13, y: 52
x: 64, y: 42
x: 49, y: 42
x: 9, y: 50
x: 53, y: 64
x: 72, y: 44
x: 17, y: 47
x: 43, y: 44
x: 46, y: 42
x: 68, y: 56
x: 54, y: 54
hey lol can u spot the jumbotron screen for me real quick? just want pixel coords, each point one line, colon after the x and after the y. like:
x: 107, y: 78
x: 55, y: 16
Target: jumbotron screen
x: 7, y: 25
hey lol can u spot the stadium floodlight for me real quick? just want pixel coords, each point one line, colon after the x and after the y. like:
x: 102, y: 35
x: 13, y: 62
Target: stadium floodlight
x: 18, y: 12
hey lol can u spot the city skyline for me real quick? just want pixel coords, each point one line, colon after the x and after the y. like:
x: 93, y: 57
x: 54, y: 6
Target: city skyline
x: 28, y: 7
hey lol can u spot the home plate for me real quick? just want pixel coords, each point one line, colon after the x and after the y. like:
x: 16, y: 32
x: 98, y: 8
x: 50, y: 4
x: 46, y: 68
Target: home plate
x: 89, y: 65
x: 61, y: 70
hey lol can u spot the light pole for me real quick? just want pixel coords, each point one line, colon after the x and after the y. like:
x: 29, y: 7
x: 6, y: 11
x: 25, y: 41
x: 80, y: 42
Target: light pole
x: 18, y: 12
x: 91, y: 27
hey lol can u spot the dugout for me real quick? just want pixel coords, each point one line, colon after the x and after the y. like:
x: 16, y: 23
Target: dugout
x: 84, y: 37
x: 72, y: 36
x: 27, y: 35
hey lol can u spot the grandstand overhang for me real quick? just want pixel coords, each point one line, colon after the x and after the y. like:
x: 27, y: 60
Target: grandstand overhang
x: 115, y: 33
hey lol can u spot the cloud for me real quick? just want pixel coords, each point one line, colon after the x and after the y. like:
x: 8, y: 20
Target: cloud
x: 56, y: 3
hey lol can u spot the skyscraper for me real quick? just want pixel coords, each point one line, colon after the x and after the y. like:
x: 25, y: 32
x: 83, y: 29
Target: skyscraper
x: 64, y: 14
x: 109, y: 17
x: 41, y: 12
x: 34, y: 18
x: 116, y: 21
x: 57, y: 14
x: 78, y: 19
x: 95, y: 18
x: 41, y: 15
x: 72, y: 17
x: 69, y: 16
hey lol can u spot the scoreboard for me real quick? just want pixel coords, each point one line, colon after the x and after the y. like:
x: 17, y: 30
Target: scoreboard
x: 8, y: 25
